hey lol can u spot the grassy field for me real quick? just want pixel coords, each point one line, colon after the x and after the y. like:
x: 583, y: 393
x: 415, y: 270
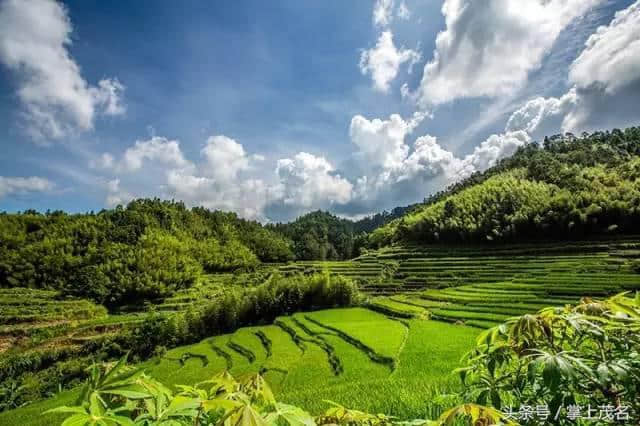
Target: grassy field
x: 355, y: 357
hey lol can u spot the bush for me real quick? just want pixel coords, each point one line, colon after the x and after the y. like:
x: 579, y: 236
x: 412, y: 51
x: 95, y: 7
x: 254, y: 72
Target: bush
x: 577, y: 355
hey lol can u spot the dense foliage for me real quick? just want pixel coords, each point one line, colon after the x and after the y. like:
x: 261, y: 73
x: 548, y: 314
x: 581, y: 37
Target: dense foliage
x: 146, y: 250
x: 237, y: 308
x: 323, y: 236
x: 571, y: 360
x: 568, y: 188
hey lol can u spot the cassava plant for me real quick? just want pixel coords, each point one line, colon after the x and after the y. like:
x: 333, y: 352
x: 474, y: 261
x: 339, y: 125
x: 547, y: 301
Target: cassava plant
x: 582, y: 357
x: 119, y: 395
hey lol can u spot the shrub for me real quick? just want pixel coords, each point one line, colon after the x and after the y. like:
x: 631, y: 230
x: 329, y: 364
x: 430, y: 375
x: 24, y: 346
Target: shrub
x: 581, y: 355
x: 119, y: 395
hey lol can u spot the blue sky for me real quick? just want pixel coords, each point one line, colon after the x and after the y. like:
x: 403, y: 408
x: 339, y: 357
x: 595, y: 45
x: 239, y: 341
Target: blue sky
x: 273, y: 109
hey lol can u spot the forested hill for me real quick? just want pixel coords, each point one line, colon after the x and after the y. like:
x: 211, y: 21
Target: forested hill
x: 147, y: 249
x: 565, y: 188
x: 323, y: 236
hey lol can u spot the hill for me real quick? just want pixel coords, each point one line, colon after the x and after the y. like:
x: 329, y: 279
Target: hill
x: 148, y: 249
x: 321, y: 235
x: 567, y: 188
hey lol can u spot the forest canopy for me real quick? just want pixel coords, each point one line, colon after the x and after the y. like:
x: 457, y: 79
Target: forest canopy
x: 146, y: 250
x: 568, y: 187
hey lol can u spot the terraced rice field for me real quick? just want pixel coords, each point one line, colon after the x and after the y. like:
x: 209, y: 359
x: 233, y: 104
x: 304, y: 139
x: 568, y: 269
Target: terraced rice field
x: 595, y: 265
x: 387, y: 358
x: 486, y: 305
x: 355, y: 357
x: 209, y: 287
x: 483, y: 286
x: 29, y: 313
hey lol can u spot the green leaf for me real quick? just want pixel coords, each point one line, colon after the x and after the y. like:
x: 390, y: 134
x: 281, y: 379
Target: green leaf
x: 247, y: 416
x: 495, y: 399
x: 96, y: 407
x: 77, y: 420
x: 130, y: 393
x: 65, y: 409
x: 216, y: 404
x: 121, y: 362
x: 290, y: 415
x: 180, y: 403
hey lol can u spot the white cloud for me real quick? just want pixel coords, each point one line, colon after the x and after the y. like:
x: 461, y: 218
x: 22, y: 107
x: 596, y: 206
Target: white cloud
x: 104, y: 161
x: 495, y: 148
x: 381, y: 142
x: 429, y: 159
x: 383, y: 61
x: 403, y: 11
x: 606, y: 84
x: 113, y: 185
x: 397, y: 172
x: 159, y: 167
x: 542, y: 116
x: 382, y: 12
x: 307, y: 181
x: 158, y: 150
x: 611, y: 58
x: 23, y: 185
x: 245, y: 197
x: 57, y: 101
x: 108, y: 95
x: 223, y: 178
x: 224, y: 158
x: 489, y: 48
x: 115, y: 195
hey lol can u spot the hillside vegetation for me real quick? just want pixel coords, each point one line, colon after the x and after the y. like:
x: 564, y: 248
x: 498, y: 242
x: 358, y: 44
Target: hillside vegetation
x: 323, y: 236
x: 566, y: 188
x: 149, y: 249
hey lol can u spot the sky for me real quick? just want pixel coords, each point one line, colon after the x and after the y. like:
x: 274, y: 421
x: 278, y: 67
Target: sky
x: 274, y: 109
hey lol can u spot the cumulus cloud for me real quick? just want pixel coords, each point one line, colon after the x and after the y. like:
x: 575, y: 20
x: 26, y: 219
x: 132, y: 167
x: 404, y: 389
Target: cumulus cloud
x: 108, y: 96
x: 398, y: 172
x: 309, y: 181
x: 605, y: 81
x: 489, y: 48
x: 23, y: 185
x: 380, y: 142
x: 382, y: 12
x: 57, y: 100
x: 224, y: 158
x: 383, y: 61
x: 223, y: 177
x: 429, y: 159
x: 495, y: 148
x: 158, y: 150
x: 611, y: 58
x: 158, y: 166
x: 245, y: 197
x: 542, y: 116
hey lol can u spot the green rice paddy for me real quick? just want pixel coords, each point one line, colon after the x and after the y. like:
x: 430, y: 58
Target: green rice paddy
x: 383, y: 364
